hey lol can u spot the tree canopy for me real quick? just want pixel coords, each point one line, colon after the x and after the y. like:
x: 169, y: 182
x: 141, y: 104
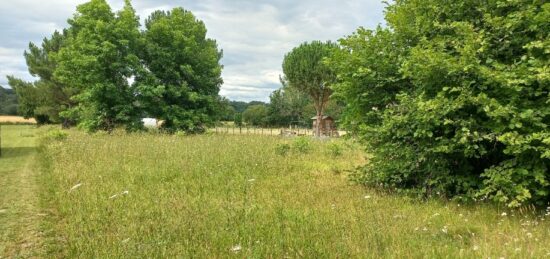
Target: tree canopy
x: 104, y: 72
x: 304, y: 68
x: 8, y: 101
x: 453, y: 98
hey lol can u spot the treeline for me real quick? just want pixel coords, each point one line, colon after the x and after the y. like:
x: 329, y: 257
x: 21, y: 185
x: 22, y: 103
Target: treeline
x: 103, y: 71
x: 288, y: 106
x: 452, y: 98
x: 8, y: 102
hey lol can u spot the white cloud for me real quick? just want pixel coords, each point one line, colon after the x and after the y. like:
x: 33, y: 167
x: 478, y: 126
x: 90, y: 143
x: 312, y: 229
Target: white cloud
x: 254, y: 34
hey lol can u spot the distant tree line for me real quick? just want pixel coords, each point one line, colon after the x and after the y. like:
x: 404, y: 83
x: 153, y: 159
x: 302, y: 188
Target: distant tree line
x: 103, y: 71
x: 288, y: 106
x: 8, y: 101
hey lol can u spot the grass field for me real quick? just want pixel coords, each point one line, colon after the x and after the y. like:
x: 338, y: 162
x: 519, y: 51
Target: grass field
x: 19, y: 195
x: 155, y: 196
x: 16, y: 120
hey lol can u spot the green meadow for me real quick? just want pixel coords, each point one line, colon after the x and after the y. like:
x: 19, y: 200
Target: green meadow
x: 219, y: 196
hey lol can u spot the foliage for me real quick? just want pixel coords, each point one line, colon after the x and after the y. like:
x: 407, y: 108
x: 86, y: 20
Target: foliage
x: 8, y: 102
x: 238, y: 119
x: 453, y: 97
x: 102, y: 72
x: 56, y: 134
x: 255, y: 115
x: 282, y: 149
x: 289, y: 106
x: 182, y: 74
x: 46, y: 98
x: 98, y: 59
x: 302, y: 144
x: 334, y: 149
x: 305, y: 69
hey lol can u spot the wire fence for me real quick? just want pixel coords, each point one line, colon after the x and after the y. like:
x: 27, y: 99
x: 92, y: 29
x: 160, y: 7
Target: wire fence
x: 294, y: 131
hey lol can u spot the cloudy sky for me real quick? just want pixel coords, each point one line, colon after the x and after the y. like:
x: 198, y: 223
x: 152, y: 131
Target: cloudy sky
x: 254, y: 34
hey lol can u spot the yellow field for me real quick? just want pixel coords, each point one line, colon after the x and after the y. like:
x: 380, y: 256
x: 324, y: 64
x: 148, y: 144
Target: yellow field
x: 15, y: 119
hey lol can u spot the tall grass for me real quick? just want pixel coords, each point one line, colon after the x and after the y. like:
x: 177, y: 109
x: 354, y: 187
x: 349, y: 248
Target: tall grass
x: 138, y: 195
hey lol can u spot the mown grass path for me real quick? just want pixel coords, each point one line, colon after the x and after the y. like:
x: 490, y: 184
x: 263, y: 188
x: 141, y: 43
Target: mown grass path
x: 19, y: 203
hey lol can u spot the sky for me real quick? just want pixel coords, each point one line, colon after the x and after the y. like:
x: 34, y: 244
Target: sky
x: 254, y: 34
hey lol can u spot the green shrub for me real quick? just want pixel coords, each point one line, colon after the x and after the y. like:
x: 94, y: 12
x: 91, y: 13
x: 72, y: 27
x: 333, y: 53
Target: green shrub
x: 450, y: 103
x: 181, y: 133
x: 56, y: 134
x: 334, y: 149
x: 302, y: 144
x: 282, y: 149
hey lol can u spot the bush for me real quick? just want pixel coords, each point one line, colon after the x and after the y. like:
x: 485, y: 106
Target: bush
x: 282, y: 149
x: 302, y: 144
x: 334, y: 149
x: 451, y: 103
x: 56, y: 134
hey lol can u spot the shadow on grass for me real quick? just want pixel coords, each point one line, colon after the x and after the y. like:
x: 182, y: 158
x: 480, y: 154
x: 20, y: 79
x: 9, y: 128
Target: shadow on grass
x: 14, y: 152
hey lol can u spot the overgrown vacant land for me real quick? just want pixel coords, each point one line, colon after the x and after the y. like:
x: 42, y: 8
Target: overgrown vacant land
x: 142, y: 195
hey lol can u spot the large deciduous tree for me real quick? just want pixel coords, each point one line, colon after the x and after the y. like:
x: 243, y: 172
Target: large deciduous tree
x: 181, y: 77
x: 99, y: 59
x: 305, y: 69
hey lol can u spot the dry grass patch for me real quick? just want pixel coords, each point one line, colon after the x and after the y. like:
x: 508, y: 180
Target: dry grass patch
x: 16, y: 120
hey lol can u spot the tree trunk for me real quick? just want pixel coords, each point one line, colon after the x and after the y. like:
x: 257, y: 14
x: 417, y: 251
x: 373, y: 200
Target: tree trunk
x: 319, y: 121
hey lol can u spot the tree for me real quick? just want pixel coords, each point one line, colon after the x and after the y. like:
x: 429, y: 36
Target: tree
x: 182, y: 74
x: 289, y: 105
x: 99, y: 59
x: 8, y: 101
x: 255, y: 115
x: 46, y: 98
x: 305, y: 69
x: 452, y: 98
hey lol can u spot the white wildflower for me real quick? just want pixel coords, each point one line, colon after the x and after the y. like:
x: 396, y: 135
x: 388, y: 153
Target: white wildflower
x: 476, y: 248
x: 529, y: 235
x: 367, y: 196
x: 503, y: 214
x: 236, y: 248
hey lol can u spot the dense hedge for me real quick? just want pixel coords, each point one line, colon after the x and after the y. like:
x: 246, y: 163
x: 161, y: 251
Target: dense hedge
x: 453, y: 98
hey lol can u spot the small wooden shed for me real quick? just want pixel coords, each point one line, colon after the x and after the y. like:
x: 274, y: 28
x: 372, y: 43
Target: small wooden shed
x: 327, y: 125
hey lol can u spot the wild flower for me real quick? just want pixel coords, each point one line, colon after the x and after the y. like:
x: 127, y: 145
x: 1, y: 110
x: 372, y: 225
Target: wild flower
x: 75, y: 187
x: 476, y: 247
x: 367, y: 196
x: 503, y: 214
x: 236, y: 249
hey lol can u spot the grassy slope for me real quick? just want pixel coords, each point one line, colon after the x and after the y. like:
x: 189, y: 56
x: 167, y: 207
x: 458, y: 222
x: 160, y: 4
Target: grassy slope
x: 202, y: 196
x: 19, y: 214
